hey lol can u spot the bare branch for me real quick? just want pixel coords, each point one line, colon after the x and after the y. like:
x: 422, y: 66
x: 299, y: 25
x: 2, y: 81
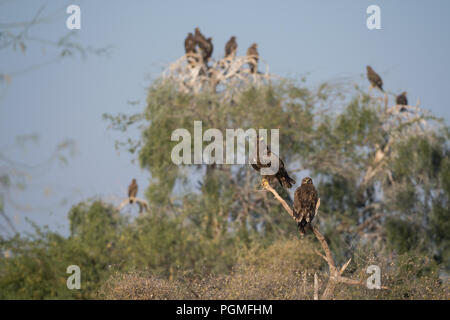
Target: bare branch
x: 316, y: 287
x: 193, y: 75
x: 345, y: 266
x: 143, y: 205
x: 335, y: 274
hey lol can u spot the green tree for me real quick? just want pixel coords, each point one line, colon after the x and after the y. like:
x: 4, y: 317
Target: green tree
x: 382, y: 175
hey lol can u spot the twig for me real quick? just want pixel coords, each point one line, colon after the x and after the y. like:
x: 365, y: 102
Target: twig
x: 316, y: 287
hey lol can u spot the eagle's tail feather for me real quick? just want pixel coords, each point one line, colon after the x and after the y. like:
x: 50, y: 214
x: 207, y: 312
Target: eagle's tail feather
x: 286, y: 181
x: 301, y: 227
x: 303, y: 223
x: 291, y: 181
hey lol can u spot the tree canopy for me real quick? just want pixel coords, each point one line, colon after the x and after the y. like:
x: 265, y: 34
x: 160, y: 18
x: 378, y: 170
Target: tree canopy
x: 382, y: 176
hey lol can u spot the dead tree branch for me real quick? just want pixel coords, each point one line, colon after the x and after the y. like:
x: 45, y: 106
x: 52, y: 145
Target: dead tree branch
x: 143, y: 205
x: 335, y: 273
x: 193, y: 75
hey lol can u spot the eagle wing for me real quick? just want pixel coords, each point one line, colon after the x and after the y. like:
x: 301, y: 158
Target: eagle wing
x: 253, y: 53
x: 283, y: 177
x: 305, y: 201
x: 132, y: 190
x: 206, y: 47
x: 189, y: 44
x: 210, y: 48
x: 375, y: 79
x: 230, y: 47
x: 198, y: 36
x: 402, y: 100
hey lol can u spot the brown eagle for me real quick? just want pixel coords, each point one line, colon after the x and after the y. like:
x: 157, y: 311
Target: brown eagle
x: 401, y: 100
x: 206, y: 48
x: 231, y: 47
x: 305, y: 201
x: 132, y: 190
x: 198, y: 36
x: 374, y: 78
x: 204, y: 44
x: 253, y: 56
x: 282, y: 175
x: 189, y: 43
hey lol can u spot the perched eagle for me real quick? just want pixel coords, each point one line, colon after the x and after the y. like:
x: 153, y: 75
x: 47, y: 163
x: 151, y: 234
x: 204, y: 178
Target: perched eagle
x: 189, y: 43
x: 132, y: 190
x: 305, y: 201
x: 198, y: 36
x: 253, y: 56
x: 206, y: 48
x: 401, y: 100
x: 282, y: 175
x: 204, y: 44
x: 374, y: 78
x: 231, y: 47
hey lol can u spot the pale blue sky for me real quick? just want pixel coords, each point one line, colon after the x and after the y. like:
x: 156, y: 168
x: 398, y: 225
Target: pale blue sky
x: 327, y: 39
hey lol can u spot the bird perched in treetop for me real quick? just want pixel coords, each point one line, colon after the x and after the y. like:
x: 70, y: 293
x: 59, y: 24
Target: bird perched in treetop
x: 206, y: 48
x: 281, y: 175
x: 132, y: 190
x: 198, y: 35
x: 231, y: 47
x: 253, y: 56
x: 189, y: 43
x: 401, y: 100
x: 374, y: 78
x: 305, y: 202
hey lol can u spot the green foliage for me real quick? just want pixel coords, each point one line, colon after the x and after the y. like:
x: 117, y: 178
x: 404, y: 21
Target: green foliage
x: 284, y: 270
x: 101, y: 242
x: 402, y: 235
x: 383, y: 182
x: 168, y: 109
x: 36, y: 264
x: 421, y: 168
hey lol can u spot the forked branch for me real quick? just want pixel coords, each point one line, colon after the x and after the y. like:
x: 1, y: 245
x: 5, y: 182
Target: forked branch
x: 143, y: 205
x: 335, y: 273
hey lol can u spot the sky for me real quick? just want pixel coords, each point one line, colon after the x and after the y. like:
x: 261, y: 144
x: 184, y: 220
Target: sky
x: 324, y: 40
